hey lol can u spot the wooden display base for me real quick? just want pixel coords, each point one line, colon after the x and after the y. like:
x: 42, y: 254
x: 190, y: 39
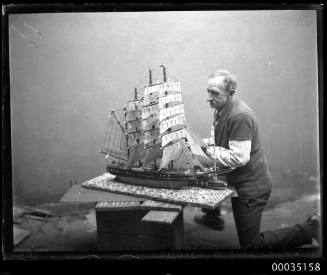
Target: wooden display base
x: 194, y: 196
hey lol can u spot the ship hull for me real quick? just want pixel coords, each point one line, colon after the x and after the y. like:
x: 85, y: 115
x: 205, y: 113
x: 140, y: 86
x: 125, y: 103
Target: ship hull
x: 152, y: 179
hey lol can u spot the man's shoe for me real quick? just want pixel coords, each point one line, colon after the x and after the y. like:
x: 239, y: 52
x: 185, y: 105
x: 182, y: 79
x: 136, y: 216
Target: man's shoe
x: 216, y: 223
x: 216, y: 212
x: 315, y: 224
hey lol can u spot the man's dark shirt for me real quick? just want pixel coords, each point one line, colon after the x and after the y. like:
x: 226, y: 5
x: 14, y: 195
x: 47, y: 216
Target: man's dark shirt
x: 238, y: 122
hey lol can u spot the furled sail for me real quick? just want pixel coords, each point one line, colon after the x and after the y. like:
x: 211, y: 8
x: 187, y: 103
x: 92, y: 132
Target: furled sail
x: 115, y: 142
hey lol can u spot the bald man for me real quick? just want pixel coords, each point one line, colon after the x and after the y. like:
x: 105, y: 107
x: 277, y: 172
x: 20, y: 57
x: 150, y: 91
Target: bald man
x: 235, y: 142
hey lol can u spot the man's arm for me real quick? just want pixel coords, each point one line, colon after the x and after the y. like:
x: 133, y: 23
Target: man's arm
x: 238, y: 155
x: 240, y: 136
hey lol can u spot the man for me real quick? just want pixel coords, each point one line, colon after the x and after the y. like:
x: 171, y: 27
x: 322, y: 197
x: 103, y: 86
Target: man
x: 235, y: 142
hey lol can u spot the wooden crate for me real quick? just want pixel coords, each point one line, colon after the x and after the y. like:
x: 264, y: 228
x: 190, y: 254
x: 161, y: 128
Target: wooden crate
x: 129, y: 226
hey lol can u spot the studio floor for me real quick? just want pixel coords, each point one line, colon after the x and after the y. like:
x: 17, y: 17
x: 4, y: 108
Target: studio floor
x: 72, y: 227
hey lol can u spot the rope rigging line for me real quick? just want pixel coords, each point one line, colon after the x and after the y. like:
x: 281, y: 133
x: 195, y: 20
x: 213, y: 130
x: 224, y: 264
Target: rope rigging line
x: 106, y: 139
x: 138, y: 85
x: 121, y: 145
x: 111, y: 127
x: 114, y: 139
x: 182, y: 151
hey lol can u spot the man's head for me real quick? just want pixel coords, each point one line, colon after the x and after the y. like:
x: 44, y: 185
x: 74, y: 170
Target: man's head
x: 221, y: 87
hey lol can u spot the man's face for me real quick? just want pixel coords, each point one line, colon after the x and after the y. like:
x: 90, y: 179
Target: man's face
x: 218, y: 97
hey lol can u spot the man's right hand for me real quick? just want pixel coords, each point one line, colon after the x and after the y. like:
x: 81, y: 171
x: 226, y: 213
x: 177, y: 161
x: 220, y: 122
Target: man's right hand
x: 206, y: 141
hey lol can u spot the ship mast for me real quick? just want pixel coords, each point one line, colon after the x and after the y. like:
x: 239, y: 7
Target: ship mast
x: 135, y: 94
x: 150, y: 77
x: 164, y: 73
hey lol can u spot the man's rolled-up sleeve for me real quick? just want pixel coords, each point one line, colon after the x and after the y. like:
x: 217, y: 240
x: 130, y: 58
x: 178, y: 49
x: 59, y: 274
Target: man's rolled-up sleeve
x: 237, y: 155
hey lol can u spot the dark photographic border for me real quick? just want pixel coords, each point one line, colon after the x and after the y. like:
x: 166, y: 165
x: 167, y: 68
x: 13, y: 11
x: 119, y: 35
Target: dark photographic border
x: 216, y: 261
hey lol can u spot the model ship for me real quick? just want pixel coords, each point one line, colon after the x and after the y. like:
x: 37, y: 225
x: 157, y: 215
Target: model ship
x: 153, y: 146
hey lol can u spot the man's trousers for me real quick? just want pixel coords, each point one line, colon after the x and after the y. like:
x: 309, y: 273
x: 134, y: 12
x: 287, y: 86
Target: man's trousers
x: 247, y: 216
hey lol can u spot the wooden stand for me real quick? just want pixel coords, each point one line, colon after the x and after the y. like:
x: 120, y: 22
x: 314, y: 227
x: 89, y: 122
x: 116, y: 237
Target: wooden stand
x: 129, y: 220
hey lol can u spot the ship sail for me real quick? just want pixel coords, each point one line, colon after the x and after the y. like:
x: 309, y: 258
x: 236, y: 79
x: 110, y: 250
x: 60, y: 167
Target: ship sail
x: 152, y: 145
x: 154, y: 130
x: 152, y: 141
x: 134, y: 131
x: 196, y: 145
x: 135, y: 154
x: 115, y: 142
x: 178, y: 157
x: 172, y: 124
x: 182, y: 150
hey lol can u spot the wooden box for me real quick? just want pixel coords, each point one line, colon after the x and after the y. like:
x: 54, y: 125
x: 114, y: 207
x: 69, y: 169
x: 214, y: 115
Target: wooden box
x: 129, y: 226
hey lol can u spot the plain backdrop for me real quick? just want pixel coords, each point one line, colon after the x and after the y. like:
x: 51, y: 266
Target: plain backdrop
x: 68, y: 70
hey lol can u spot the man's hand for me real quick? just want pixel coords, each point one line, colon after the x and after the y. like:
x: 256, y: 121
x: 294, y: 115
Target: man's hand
x: 206, y: 141
x: 211, y: 151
